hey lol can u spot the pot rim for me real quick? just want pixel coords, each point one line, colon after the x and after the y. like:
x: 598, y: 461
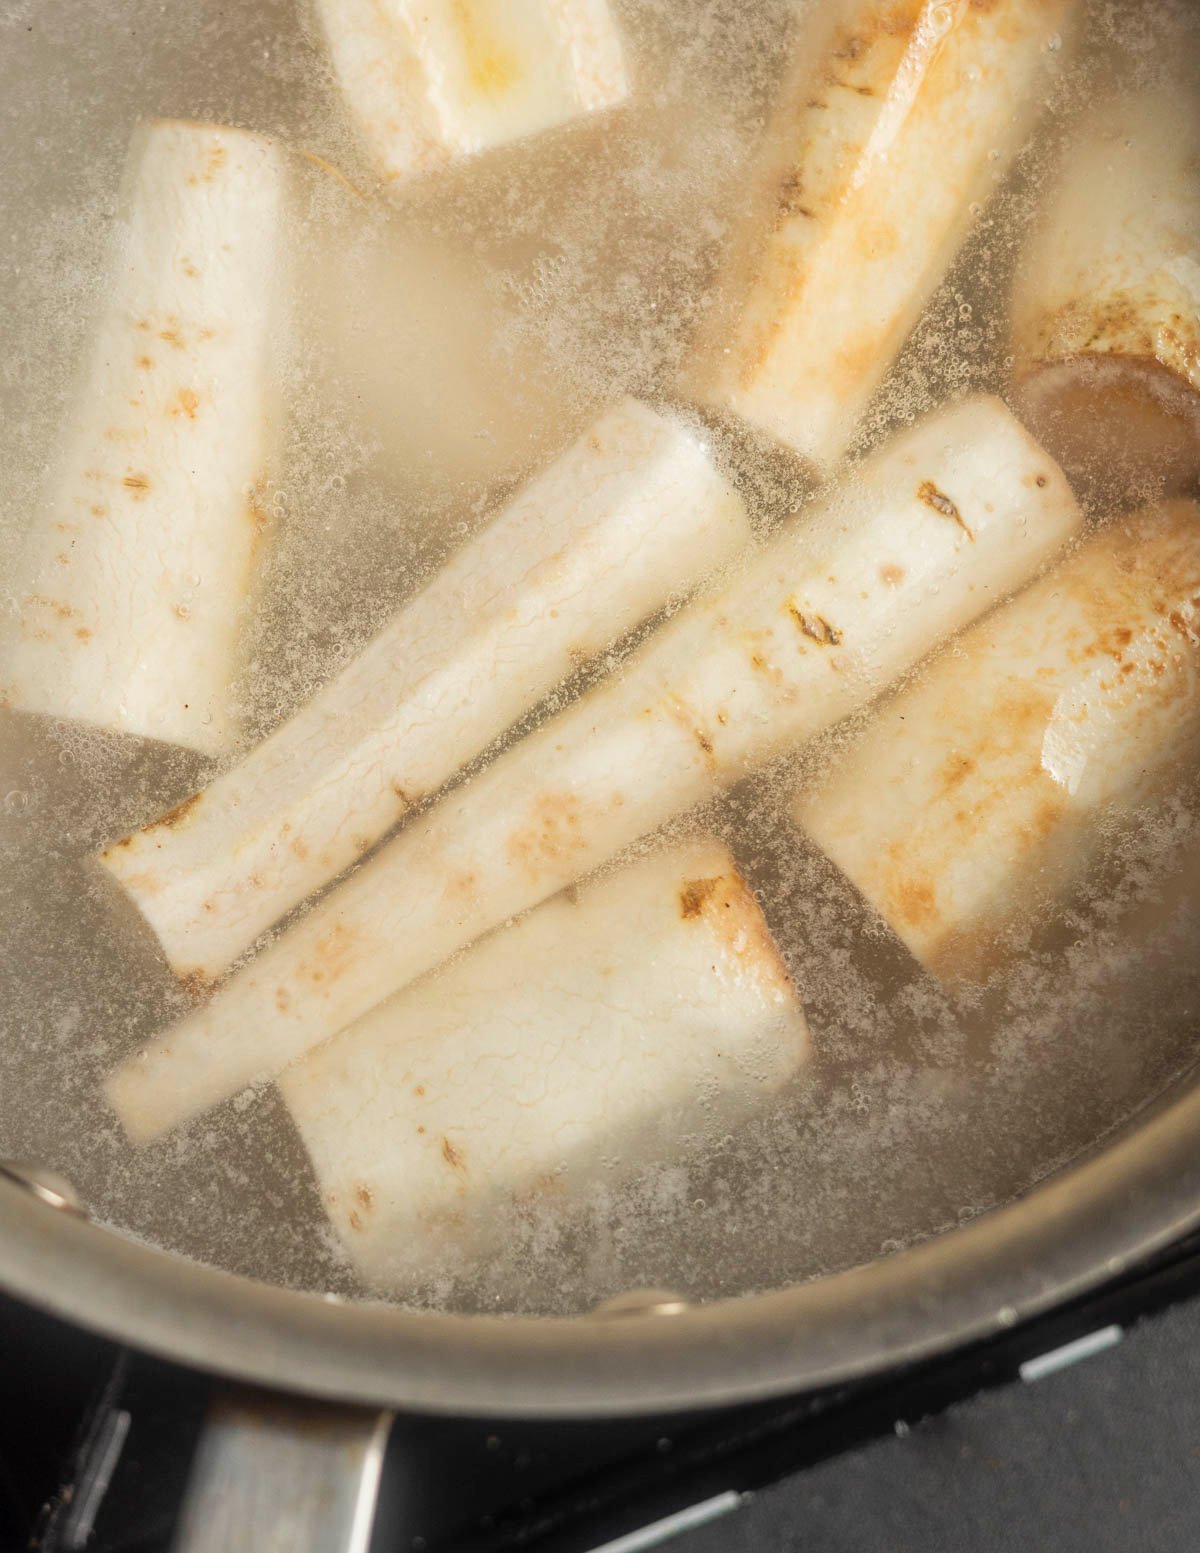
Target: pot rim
x: 1075, y: 1230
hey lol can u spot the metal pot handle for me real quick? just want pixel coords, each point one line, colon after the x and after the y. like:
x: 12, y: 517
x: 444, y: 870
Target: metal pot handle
x: 283, y: 1477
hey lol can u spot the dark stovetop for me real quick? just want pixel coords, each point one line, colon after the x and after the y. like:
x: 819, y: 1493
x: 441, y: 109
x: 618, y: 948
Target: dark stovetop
x: 998, y: 1447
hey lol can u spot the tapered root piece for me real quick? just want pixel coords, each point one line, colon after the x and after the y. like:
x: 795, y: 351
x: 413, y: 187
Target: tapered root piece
x: 974, y: 797
x: 599, y: 1027
x: 134, y: 583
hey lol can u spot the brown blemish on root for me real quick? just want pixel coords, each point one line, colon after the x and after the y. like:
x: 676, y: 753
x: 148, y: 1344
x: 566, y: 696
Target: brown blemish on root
x: 55, y: 606
x: 172, y: 337
x: 553, y: 834
x: 186, y: 402
x: 941, y: 503
x: 197, y: 984
x: 956, y: 770
x: 914, y: 902
x: 283, y: 999
x: 454, y: 1157
x: 83, y: 633
x: 816, y: 627
x: 214, y: 162
x: 332, y: 955
x: 892, y: 574
x: 734, y: 918
x: 354, y: 1220
x: 693, y: 896
x: 364, y: 1196
x: 137, y: 484
x: 145, y: 362
x: 175, y: 816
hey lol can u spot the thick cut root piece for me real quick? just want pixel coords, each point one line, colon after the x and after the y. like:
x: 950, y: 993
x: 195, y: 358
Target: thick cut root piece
x: 602, y: 1025
x: 975, y: 795
x: 427, y: 81
x: 631, y: 516
x: 894, y: 126
x: 949, y: 518
x: 1106, y: 305
x: 135, y: 581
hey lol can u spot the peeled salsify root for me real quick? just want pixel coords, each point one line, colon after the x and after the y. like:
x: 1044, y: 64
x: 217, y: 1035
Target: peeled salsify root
x: 633, y: 514
x: 924, y: 536
x: 974, y: 796
x: 895, y: 124
x: 134, y: 582
x: 1106, y: 303
x: 428, y: 81
x: 602, y: 1024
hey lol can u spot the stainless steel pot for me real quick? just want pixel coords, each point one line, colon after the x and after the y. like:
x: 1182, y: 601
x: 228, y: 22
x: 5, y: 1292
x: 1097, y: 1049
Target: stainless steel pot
x: 1133, y: 1195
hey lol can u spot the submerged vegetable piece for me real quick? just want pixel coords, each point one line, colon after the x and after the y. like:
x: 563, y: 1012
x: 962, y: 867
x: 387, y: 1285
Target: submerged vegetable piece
x: 947, y: 519
x: 431, y: 80
x: 652, y: 1004
x: 976, y: 794
x: 632, y: 514
x: 1106, y: 306
x: 135, y: 579
x: 897, y: 121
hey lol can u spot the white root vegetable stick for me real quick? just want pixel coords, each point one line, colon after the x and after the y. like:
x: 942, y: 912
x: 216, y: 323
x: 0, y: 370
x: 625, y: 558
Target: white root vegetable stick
x: 633, y: 513
x: 977, y: 791
x: 135, y: 579
x: 1106, y: 303
x: 947, y: 519
x: 896, y: 123
x: 428, y: 81
x: 653, y: 1004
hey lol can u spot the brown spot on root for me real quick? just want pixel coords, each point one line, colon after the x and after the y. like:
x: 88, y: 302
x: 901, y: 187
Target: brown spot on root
x: 734, y: 918
x: 283, y: 999
x: 175, y: 816
x: 197, y: 984
x: 145, y: 362
x: 941, y: 503
x: 137, y: 484
x: 186, y: 402
x: 693, y: 896
x: 405, y: 798
x: 299, y: 849
x: 332, y: 955
x: 55, y: 606
x: 703, y: 740
x: 790, y: 199
x: 354, y: 1220
x: 172, y: 337
x: 83, y: 633
x: 364, y: 1196
x: 461, y: 886
x: 553, y: 833
x: 914, y: 902
x: 956, y: 770
x: 189, y: 269
x: 98, y: 510
x: 816, y: 627
x: 892, y: 574
x: 217, y: 156
x: 454, y: 1157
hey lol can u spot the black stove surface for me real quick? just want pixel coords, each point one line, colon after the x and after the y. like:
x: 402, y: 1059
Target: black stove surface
x: 1078, y: 1432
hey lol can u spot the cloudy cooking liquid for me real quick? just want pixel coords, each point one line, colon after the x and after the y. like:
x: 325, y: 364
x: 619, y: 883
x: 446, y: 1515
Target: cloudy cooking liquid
x: 517, y: 295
